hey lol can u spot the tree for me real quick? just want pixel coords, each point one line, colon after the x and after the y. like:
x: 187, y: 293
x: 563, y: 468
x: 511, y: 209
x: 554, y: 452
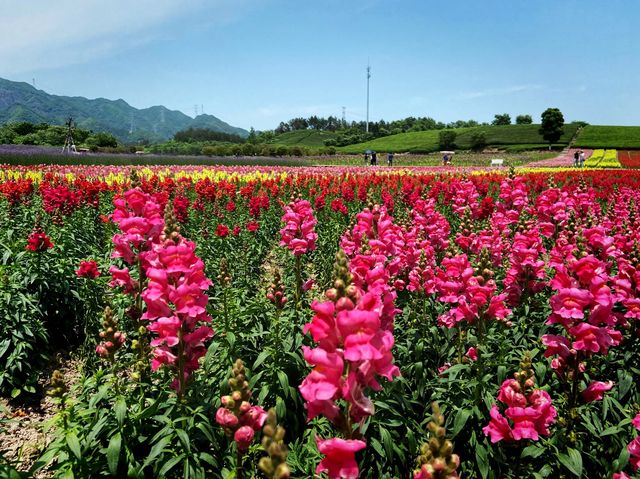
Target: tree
x: 503, y: 119
x: 447, y: 139
x: 552, y: 126
x: 253, y: 137
x: 524, y: 120
x: 478, y: 141
x: 282, y: 128
x: 102, y: 140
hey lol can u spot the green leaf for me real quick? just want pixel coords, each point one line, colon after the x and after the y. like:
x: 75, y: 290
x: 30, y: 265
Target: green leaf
x: 482, y: 461
x: 283, y: 380
x: 260, y: 359
x: 377, y: 446
x: 74, y: 444
x: 184, y: 439
x: 387, y: 442
x: 572, y: 461
x: 624, y: 383
x: 208, y: 458
x: 231, y: 339
x: 623, y: 458
x: 113, y: 453
x: 157, y: 448
x: 610, y: 430
x: 170, y: 464
x: 461, y: 419
x: 532, y: 451
x: 120, y: 410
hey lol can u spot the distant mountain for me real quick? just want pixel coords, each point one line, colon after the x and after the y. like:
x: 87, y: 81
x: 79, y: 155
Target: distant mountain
x: 22, y: 102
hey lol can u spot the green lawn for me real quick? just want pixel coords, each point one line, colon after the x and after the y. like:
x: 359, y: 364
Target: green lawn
x: 308, y: 138
x: 620, y: 137
x: 427, y: 141
x: 435, y: 159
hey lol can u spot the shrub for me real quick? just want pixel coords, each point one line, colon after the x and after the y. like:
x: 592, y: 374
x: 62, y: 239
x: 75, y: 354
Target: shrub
x: 447, y: 139
x: 478, y: 141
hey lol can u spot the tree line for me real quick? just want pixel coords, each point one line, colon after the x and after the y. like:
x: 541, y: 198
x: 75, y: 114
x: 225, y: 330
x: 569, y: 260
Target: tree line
x: 43, y: 134
x: 348, y: 133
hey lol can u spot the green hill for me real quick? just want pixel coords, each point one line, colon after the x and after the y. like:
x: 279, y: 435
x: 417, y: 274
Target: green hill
x: 309, y: 138
x: 427, y: 141
x: 22, y: 102
x: 619, y: 137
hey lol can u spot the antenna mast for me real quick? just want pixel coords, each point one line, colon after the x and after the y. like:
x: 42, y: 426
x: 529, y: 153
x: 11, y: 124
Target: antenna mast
x: 368, y: 77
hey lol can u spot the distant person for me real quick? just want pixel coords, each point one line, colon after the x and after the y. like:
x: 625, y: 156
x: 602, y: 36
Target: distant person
x: 581, y: 159
x: 445, y: 159
x: 576, y: 158
x: 390, y: 159
x: 366, y: 159
x: 374, y: 158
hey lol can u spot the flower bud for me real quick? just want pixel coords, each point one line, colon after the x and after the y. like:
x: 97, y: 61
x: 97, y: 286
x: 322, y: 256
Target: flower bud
x: 282, y: 471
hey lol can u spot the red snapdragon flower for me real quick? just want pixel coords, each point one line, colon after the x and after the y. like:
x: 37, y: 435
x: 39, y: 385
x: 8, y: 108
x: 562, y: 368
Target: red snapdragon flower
x: 222, y: 231
x: 38, y: 241
x: 88, y: 269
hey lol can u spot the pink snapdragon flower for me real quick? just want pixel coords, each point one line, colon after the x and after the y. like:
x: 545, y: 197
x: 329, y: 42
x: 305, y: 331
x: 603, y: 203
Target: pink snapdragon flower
x: 528, y: 413
x: 595, y: 391
x: 353, y: 333
x: 584, y: 306
x: 339, y: 461
x: 471, y: 296
x: 176, y: 306
x: 298, y: 234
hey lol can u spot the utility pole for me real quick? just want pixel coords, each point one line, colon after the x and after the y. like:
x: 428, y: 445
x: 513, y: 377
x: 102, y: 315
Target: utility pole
x: 368, y: 77
x: 344, y: 116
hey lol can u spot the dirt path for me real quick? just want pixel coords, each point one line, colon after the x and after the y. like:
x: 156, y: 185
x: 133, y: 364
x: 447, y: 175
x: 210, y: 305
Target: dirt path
x: 23, y: 435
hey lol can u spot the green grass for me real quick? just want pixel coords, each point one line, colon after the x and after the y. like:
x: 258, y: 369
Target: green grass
x: 618, y: 137
x: 427, y: 141
x: 308, y: 138
x: 435, y: 159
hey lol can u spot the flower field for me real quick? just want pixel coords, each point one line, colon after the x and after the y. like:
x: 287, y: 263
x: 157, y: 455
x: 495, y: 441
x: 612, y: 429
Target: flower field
x: 629, y: 158
x: 241, y: 322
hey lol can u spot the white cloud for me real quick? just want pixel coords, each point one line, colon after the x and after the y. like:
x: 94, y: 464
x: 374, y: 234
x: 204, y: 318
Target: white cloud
x: 43, y: 34
x: 499, y: 91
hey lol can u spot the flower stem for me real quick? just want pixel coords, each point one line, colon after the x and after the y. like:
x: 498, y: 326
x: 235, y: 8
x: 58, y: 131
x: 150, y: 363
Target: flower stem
x: 298, y: 270
x: 239, y: 461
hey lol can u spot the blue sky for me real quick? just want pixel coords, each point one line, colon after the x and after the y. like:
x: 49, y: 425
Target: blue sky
x: 257, y: 62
